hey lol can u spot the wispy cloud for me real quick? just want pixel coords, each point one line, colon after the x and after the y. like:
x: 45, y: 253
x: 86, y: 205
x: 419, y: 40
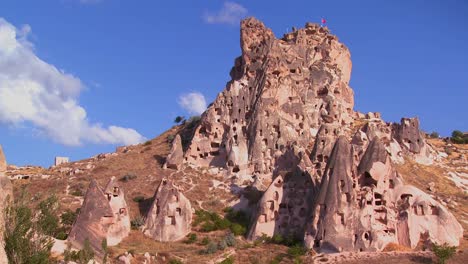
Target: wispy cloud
x: 90, y: 1
x: 194, y: 103
x: 231, y: 13
x: 37, y: 93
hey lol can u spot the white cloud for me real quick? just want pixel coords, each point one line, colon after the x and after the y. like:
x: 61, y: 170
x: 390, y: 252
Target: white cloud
x: 194, y: 103
x: 37, y: 93
x: 231, y: 13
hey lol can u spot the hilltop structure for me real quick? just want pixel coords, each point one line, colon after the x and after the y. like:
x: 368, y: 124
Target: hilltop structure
x: 104, y: 215
x: 286, y: 117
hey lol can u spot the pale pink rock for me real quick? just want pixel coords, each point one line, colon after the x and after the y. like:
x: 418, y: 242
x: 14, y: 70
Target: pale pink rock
x: 170, y: 215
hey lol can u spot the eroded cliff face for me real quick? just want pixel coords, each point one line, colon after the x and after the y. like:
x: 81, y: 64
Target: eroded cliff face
x: 281, y: 91
x: 287, y: 118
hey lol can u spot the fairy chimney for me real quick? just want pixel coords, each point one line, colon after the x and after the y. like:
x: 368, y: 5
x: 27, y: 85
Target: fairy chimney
x: 170, y: 215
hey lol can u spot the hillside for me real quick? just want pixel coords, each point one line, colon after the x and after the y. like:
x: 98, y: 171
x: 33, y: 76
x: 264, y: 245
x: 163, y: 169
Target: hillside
x: 279, y: 169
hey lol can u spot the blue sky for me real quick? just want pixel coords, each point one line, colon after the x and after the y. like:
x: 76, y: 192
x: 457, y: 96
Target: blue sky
x: 126, y: 64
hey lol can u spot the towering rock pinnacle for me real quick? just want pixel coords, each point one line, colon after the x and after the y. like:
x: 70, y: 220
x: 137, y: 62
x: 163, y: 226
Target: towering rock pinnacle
x: 281, y: 92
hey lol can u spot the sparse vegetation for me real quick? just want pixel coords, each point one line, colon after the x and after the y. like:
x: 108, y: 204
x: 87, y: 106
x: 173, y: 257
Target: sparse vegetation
x: 228, y: 260
x: 170, y: 138
x: 25, y: 241
x: 128, y: 177
x: 137, y: 223
x: 236, y: 221
x: 179, y: 119
x: 138, y: 199
x: 434, y: 135
x: 191, y: 238
x: 175, y: 261
x: 147, y: 143
x: 83, y: 256
x: 443, y: 252
x: 458, y: 137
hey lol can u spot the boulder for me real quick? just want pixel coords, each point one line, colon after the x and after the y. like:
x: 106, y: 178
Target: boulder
x: 170, y: 215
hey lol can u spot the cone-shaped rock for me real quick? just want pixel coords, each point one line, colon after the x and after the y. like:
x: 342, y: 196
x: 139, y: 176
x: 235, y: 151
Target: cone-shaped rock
x: 170, y: 215
x: 103, y: 215
x: 176, y: 156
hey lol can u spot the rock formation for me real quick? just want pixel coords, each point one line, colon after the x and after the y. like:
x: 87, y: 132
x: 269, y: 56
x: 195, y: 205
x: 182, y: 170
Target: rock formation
x: 365, y: 208
x: 176, y: 156
x: 6, y: 194
x: 287, y: 117
x: 103, y: 215
x: 281, y: 92
x: 170, y: 215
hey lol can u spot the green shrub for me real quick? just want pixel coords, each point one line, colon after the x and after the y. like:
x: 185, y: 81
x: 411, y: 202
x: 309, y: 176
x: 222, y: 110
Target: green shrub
x: 175, y: 261
x: 297, y: 250
x: 138, y: 199
x: 277, y: 239
x: 87, y: 253
x: 238, y: 230
x: 230, y: 240
x: 277, y: 259
x: 137, y: 223
x: 434, y: 135
x: 179, y: 119
x: 147, y: 143
x: 443, y: 252
x: 48, y: 221
x: 229, y: 260
x: 68, y: 217
x: 170, y: 138
x: 77, y: 192
x: 61, y: 235
x: 205, y: 241
x: 211, y: 248
x: 222, y: 245
x: 191, y: 238
x: 128, y: 177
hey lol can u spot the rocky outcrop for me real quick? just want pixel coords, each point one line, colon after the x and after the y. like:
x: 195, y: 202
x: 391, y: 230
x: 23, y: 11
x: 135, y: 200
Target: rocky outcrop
x: 281, y: 92
x: 368, y: 207
x: 176, y: 156
x: 285, y: 205
x: 6, y: 195
x: 170, y: 215
x: 286, y: 118
x: 104, y: 215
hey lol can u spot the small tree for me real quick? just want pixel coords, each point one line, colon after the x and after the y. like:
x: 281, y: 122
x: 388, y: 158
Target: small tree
x: 179, y: 119
x: 24, y: 240
x: 434, y: 135
x: 87, y: 253
x: 443, y: 252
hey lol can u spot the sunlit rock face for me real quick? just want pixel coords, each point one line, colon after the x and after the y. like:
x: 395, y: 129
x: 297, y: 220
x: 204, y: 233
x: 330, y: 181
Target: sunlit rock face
x: 170, y: 215
x: 365, y: 208
x: 281, y: 92
x: 6, y: 195
x: 286, y: 117
x: 104, y: 215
